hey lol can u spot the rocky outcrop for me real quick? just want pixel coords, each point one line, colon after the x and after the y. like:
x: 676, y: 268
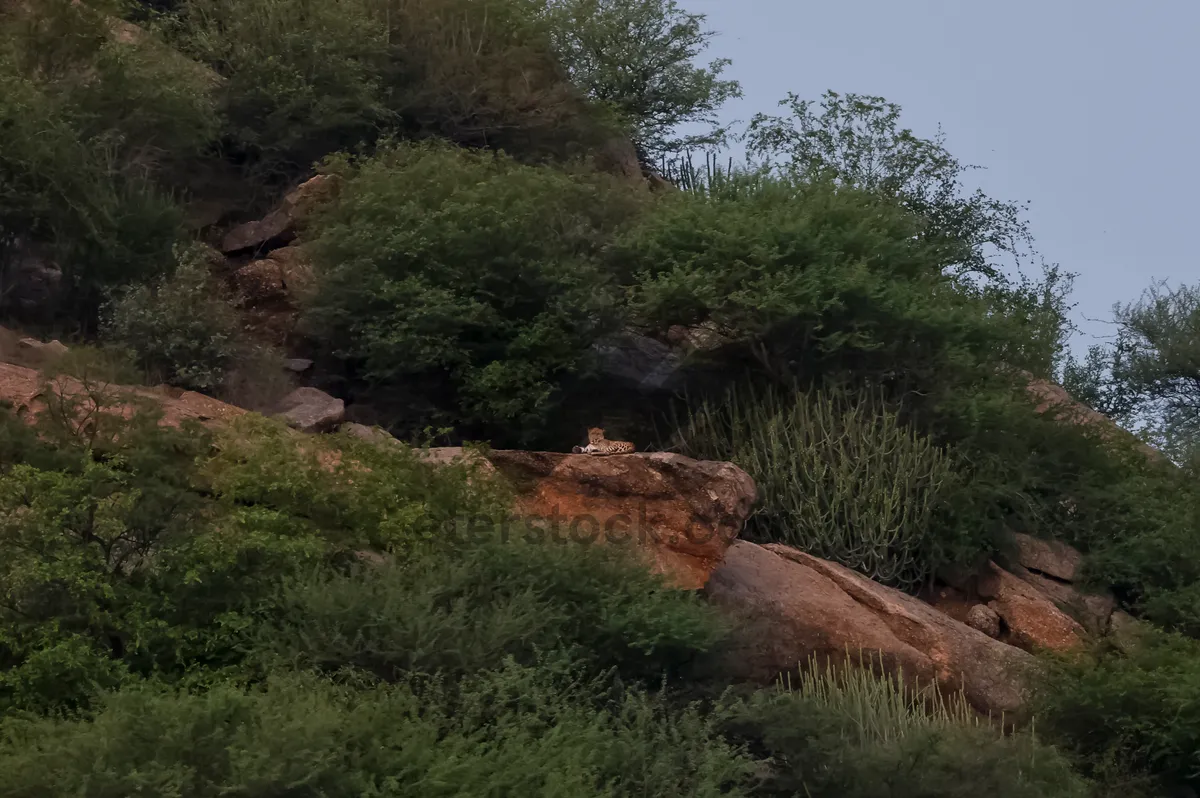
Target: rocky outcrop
x: 1054, y: 399
x: 1049, y: 557
x: 43, y: 351
x: 1030, y: 620
x: 1033, y: 596
x: 682, y: 513
x: 789, y: 606
x: 652, y: 365
x: 311, y: 410
x: 1025, y: 617
x: 278, y: 228
x: 29, y: 393
x: 286, y: 274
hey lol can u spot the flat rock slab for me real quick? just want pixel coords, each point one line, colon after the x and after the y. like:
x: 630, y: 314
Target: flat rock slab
x: 682, y: 513
x: 789, y: 606
x: 311, y: 410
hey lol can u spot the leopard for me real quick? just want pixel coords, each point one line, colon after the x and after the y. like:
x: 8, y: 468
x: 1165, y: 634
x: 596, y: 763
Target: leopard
x: 599, y: 445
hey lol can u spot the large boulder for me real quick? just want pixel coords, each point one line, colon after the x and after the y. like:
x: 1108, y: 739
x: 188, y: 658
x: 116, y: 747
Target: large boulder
x: 1051, y: 558
x: 1031, y: 620
x: 639, y: 361
x: 286, y: 274
x: 30, y: 393
x: 681, y: 513
x: 32, y: 283
x: 279, y: 226
x: 311, y: 410
x: 617, y: 156
x: 789, y: 606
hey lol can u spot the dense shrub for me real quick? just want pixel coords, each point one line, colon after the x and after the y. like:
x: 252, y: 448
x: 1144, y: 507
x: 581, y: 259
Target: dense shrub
x: 847, y: 733
x: 305, y: 80
x: 181, y: 330
x: 1150, y: 560
x: 87, y: 123
x: 513, y: 731
x: 131, y: 549
x: 468, y: 275
x: 638, y: 57
x: 840, y: 477
x: 814, y: 279
x: 472, y: 604
x: 1129, y: 718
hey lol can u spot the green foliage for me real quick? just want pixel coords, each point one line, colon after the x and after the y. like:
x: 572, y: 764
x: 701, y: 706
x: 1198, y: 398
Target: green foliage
x: 856, y: 140
x: 133, y: 550
x: 845, y: 732
x: 638, y: 58
x: 1149, y: 376
x: 839, y: 477
x: 812, y: 279
x: 469, y: 275
x: 1152, y: 564
x: 179, y: 328
x: 469, y: 605
x: 303, y: 80
x: 512, y: 731
x: 1130, y: 717
x: 87, y: 124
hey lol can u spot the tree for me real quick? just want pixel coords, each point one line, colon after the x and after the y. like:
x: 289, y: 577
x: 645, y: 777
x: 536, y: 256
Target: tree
x: 857, y: 140
x: 1149, y: 376
x: 638, y: 58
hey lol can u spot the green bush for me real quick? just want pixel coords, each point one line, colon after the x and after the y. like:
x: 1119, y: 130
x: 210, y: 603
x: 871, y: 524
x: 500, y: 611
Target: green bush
x: 638, y: 57
x: 813, y: 279
x: 80, y: 158
x: 133, y: 550
x: 512, y: 731
x: 846, y: 733
x: 468, y: 277
x: 181, y: 330
x: 1131, y: 717
x: 840, y: 477
x: 469, y: 606
x: 1152, y: 565
x: 305, y: 80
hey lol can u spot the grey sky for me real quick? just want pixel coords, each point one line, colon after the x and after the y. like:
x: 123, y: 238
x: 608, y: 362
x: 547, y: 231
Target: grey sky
x: 1088, y: 109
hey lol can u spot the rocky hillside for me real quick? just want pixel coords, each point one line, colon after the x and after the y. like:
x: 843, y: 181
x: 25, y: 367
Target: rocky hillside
x: 970, y: 633
x: 306, y: 305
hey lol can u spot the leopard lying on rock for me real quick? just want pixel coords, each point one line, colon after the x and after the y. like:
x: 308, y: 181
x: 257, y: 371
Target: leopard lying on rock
x: 598, y: 444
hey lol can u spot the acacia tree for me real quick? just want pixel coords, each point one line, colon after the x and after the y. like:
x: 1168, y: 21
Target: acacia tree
x: 1148, y: 377
x: 638, y: 57
x: 857, y: 141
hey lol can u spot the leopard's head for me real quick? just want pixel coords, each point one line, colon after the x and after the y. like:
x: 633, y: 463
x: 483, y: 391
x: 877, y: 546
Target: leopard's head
x: 595, y: 435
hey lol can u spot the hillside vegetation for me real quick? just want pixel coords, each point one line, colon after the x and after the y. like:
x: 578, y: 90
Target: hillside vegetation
x: 250, y: 612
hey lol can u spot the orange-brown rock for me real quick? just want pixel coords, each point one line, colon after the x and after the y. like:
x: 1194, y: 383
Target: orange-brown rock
x: 29, y: 394
x: 682, y: 513
x: 1031, y: 620
x: 789, y: 606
